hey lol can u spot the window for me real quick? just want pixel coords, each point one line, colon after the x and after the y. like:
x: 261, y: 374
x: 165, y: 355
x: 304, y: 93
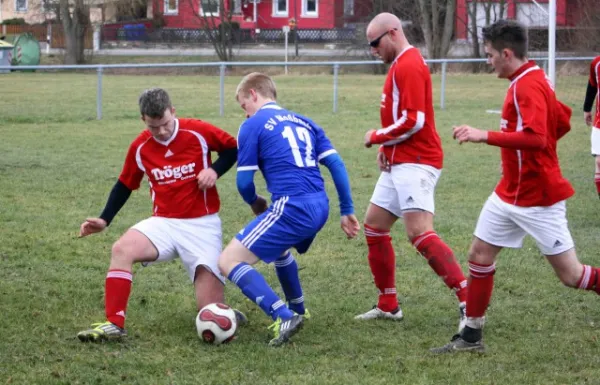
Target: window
x: 349, y: 7
x: 310, y: 8
x: 280, y: 7
x: 237, y: 7
x: 209, y: 7
x: 21, y: 5
x: 533, y: 15
x: 171, y: 7
x: 485, y: 13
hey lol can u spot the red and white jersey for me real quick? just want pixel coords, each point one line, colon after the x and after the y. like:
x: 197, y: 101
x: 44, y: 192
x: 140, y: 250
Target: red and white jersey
x: 408, y: 132
x: 595, y: 81
x: 532, y: 177
x: 172, y: 167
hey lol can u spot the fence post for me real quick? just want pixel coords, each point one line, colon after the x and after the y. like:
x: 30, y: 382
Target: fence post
x: 222, y: 89
x: 99, y: 95
x: 443, y: 91
x: 4, y: 29
x: 336, y: 70
x: 545, y: 66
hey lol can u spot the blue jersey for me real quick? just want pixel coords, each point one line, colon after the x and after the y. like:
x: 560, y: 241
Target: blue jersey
x: 285, y: 147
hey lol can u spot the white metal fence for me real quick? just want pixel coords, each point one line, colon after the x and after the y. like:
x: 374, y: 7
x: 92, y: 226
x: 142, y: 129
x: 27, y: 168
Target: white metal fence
x: 222, y: 66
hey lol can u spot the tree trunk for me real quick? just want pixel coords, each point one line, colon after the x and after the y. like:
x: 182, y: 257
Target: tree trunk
x: 74, y: 25
x: 438, y: 26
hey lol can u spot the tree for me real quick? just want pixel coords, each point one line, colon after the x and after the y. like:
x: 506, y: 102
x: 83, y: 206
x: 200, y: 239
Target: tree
x: 216, y: 22
x: 438, y: 26
x: 75, y: 18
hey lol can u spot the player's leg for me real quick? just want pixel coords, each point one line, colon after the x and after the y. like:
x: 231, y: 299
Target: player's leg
x: 134, y: 246
x: 597, y: 173
x: 495, y: 230
x: 415, y: 186
x: 382, y: 213
x: 286, y: 268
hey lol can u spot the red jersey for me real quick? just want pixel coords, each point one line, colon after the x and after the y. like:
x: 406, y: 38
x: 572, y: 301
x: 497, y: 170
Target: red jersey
x: 172, y: 167
x: 595, y: 81
x: 533, y: 177
x: 408, y: 134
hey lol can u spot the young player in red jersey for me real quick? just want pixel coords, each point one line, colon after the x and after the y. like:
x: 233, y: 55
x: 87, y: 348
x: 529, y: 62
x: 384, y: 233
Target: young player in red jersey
x: 411, y: 159
x: 175, y: 156
x: 593, y: 93
x: 530, y: 198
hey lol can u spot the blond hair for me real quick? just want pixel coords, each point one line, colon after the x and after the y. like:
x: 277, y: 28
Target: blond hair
x: 259, y: 82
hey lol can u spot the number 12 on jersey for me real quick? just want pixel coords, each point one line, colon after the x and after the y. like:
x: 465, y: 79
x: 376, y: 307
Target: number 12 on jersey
x: 304, y: 136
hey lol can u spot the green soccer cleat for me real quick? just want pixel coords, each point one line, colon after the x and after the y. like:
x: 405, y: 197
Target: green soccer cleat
x: 102, y: 331
x: 284, y: 330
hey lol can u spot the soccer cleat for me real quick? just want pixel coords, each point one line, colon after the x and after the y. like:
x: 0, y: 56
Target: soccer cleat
x: 376, y: 312
x: 462, y: 321
x: 459, y: 345
x: 240, y: 317
x: 102, y: 331
x: 306, y: 314
x: 284, y: 330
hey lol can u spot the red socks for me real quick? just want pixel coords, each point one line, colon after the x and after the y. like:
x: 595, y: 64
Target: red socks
x: 589, y: 279
x: 481, y: 284
x: 441, y: 259
x: 597, y: 179
x: 382, y: 261
x: 116, y: 296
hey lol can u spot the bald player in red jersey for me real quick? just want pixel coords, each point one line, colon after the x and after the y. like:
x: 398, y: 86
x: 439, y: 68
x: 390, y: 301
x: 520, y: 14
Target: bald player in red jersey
x: 593, y: 94
x: 175, y: 155
x: 411, y: 160
x: 531, y: 195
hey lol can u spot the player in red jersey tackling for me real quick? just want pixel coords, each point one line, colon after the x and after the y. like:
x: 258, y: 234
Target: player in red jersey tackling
x: 175, y: 156
x: 593, y: 93
x: 530, y: 197
x: 411, y: 159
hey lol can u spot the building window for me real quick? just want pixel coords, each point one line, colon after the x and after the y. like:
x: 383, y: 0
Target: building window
x: 310, y: 8
x: 280, y: 8
x: 171, y: 7
x: 21, y: 5
x: 349, y: 7
x: 209, y: 7
x: 533, y: 15
x: 237, y: 7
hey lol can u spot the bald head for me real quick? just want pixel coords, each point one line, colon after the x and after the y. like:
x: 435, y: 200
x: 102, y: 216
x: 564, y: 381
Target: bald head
x: 384, y: 22
x: 385, y: 37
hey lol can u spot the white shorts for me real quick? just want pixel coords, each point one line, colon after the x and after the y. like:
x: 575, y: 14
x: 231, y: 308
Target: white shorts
x: 505, y: 225
x: 196, y: 241
x: 407, y: 187
x: 595, y: 140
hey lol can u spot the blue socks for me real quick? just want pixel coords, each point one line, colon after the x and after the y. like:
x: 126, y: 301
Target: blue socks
x: 287, y: 272
x: 255, y: 287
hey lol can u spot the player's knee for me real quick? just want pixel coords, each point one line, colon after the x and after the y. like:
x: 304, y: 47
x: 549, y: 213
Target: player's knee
x: 122, y: 252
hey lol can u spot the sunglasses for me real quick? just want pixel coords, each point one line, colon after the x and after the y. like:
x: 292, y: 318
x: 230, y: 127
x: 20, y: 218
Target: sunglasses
x: 375, y: 43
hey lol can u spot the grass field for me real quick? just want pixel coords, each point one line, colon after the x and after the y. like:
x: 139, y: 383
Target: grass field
x: 58, y: 164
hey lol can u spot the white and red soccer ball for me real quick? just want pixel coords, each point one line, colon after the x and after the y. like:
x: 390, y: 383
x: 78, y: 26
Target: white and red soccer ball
x: 216, y: 323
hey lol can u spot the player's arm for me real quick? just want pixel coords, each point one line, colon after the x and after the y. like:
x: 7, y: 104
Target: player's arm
x: 412, y: 114
x: 248, y: 165
x: 226, y: 147
x: 588, y: 103
x: 129, y: 180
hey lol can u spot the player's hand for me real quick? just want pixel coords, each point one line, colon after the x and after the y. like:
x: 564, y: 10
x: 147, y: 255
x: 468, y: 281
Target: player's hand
x: 587, y: 116
x: 91, y: 226
x: 350, y: 225
x: 207, y: 178
x: 466, y: 133
x: 368, y: 143
x: 259, y: 206
x: 383, y: 162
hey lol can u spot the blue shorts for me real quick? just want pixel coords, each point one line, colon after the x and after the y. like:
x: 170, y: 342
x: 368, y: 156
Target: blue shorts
x: 288, y: 222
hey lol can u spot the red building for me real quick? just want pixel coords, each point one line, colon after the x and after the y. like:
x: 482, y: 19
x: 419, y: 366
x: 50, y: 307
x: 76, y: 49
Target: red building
x: 269, y: 14
x: 526, y: 11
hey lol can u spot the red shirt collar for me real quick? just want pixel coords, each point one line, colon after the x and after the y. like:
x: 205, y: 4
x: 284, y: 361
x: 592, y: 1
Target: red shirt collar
x: 523, y: 68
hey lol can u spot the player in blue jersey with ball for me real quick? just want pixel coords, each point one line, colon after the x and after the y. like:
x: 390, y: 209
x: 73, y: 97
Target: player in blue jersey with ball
x: 286, y: 148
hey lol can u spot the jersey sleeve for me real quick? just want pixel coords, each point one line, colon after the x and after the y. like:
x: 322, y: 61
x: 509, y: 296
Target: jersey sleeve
x: 131, y: 174
x: 247, y: 147
x: 593, y: 75
x: 216, y: 138
x: 532, y: 107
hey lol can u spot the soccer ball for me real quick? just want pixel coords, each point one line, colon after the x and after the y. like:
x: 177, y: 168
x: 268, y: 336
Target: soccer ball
x: 216, y: 323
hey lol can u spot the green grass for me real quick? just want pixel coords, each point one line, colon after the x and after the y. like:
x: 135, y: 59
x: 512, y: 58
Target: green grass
x: 58, y: 164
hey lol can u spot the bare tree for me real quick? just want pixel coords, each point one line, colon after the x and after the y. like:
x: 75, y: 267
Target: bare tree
x: 216, y: 22
x: 438, y: 26
x: 75, y: 17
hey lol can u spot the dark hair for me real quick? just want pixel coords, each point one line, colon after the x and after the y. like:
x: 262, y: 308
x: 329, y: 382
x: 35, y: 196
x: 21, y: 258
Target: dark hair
x: 154, y: 102
x: 507, y: 34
